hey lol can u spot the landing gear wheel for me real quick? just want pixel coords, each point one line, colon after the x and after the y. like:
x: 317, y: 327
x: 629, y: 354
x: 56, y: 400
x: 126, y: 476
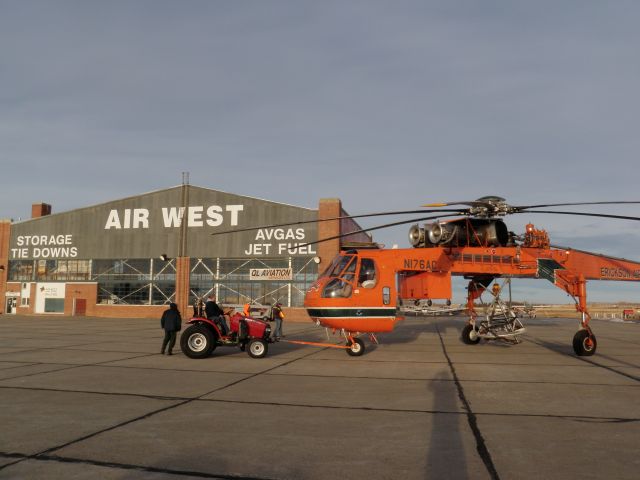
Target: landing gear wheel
x: 197, y: 341
x: 584, y: 344
x: 356, y: 348
x: 470, y: 335
x: 257, y: 348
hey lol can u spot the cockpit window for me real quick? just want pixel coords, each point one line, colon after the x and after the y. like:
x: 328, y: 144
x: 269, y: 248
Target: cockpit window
x: 340, y: 265
x: 367, y: 275
x: 344, y: 270
x: 350, y: 271
x: 327, y: 271
x: 337, y: 288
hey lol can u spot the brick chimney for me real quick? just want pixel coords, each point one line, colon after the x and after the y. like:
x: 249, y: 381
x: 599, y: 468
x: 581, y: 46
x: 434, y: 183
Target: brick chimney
x: 328, y: 208
x: 40, y: 210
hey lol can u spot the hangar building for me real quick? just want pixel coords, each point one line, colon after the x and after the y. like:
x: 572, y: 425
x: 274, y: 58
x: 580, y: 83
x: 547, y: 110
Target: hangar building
x: 131, y: 257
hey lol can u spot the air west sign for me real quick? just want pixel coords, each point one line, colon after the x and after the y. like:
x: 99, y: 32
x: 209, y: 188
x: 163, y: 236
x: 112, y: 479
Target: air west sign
x: 272, y: 241
x: 197, y: 216
x: 147, y: 226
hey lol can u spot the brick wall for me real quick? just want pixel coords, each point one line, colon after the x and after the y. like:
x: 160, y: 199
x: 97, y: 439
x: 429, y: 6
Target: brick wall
x: 5, y: 234
x: 328, y: 208
x: 183, y: 272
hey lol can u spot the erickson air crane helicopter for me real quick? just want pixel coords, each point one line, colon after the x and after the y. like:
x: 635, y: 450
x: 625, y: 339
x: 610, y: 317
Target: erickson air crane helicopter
x: 360, y: 290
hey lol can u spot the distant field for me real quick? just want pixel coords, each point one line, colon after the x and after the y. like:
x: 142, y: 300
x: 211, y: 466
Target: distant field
x: 628, y: 311
x: 597, y: 310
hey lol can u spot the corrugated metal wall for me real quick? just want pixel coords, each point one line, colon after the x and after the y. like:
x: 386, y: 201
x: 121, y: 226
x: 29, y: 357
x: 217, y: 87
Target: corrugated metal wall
x: 148, y: 225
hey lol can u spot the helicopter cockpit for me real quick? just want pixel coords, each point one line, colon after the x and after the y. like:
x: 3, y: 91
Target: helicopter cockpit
x: 342, y: 274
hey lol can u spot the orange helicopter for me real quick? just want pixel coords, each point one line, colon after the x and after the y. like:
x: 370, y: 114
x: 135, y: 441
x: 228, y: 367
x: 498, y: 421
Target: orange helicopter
x: 360, y: 290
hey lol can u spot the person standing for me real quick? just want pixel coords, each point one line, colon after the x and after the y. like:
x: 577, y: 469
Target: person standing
x: 278, y: 317
x: 171, y: 322
x: 198, y: 308
x: 215, y: 314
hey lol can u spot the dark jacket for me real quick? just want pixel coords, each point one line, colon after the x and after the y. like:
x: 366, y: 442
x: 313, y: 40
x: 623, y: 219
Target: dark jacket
x: 171, y: 320
x: 211, y: 309
x: 277, y: 312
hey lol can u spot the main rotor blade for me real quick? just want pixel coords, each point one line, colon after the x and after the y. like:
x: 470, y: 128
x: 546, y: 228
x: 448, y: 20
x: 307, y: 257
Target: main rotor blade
x: 379, y: 227
x: 345, y: 217
x: 517, y: 209
x: 604, y: 215
x: 471, y: 203
x: 486, y: 201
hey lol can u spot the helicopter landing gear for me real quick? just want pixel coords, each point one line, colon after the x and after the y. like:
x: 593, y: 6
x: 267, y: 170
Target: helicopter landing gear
x: 499, y: 322
x: 470, y: 334
x: 584, y: 343
x: 355, y: 347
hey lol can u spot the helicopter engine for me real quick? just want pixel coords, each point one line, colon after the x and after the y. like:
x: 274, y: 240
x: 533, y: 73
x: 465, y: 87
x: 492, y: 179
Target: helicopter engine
x: 466, y: 232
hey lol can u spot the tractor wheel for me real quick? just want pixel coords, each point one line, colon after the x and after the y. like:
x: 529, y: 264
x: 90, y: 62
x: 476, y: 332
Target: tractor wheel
x: 584, y: 344
x: 356, y: 348
x: 197, y: 341
x: 470, y: 335
x: 257, y: 348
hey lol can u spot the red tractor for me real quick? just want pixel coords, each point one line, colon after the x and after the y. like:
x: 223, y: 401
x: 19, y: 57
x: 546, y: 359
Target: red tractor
x: 202, y: 337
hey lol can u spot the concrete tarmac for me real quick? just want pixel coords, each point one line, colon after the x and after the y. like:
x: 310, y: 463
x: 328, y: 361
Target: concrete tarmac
x: 90, y: 398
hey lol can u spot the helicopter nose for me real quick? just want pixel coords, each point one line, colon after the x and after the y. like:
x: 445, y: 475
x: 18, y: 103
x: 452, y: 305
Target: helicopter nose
x: 311, y: 297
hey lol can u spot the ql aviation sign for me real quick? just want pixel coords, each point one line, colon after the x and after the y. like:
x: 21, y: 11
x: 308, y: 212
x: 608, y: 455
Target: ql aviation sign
x: 271, y: 274
x: 152, y: 224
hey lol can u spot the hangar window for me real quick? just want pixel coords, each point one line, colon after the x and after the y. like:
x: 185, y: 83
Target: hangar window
x: 20, y: 271
x: 134, y: 281
x: 230, y: 280
x: 49, y: 270
x: 63, y: 270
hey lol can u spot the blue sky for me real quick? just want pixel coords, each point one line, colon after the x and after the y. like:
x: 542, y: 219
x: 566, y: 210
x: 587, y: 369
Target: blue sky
x: 384, y: 104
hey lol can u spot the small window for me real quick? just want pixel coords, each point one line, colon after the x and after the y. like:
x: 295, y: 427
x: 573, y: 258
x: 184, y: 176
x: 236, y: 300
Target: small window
x: 386, y: 295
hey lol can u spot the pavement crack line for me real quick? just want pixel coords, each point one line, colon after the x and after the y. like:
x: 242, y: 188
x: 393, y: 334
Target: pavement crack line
x: 127, y: 466
x: 481, y: 445
x: 68, y: 366
x: 94, y: 392
x: 46, y: 453
x: 590, y: 362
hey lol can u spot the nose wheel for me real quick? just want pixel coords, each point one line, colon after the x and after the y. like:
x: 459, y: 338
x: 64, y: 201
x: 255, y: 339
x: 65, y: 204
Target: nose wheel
x: 355, y: 347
